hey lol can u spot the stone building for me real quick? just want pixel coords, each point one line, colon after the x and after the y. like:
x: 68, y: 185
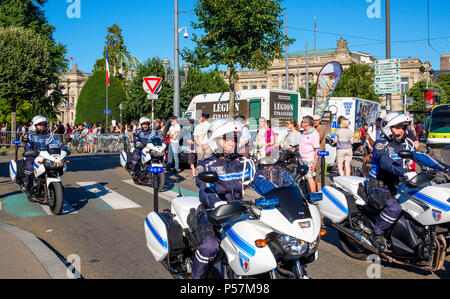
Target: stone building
x: 412, y: 70
x: 72, y: 83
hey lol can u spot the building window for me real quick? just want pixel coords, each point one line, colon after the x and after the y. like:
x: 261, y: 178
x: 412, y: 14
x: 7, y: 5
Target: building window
x: 245, y: 87
x: 405, y: 85
x: 263, y: 86
x: 254, y: 87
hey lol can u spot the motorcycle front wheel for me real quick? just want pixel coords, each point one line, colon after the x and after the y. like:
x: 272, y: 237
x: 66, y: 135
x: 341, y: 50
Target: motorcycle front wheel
x: 55, y: 198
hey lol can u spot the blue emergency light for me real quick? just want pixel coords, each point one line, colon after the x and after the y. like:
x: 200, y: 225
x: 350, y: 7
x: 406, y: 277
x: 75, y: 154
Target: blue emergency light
x: 156, y: 169
x: 16, y: 142
x: 267, y: 202
x: 315, y: 197
x: 323, y: 153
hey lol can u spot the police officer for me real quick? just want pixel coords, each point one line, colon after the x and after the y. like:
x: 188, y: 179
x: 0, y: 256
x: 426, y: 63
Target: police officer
x: 234, y: 171
x: 39, y: 138
x: 387, y: 169
x: 142, y: 135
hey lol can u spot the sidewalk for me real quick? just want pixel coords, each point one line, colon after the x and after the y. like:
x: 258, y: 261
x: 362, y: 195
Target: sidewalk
x: 23, y: 256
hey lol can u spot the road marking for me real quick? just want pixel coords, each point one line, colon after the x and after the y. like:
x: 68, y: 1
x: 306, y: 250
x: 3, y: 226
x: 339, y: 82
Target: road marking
x: 66, y: 210
x: 19, y: 205
x: 112, y: 198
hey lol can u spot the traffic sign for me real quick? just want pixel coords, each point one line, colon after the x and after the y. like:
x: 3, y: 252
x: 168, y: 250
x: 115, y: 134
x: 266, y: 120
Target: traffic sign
x: 152, y: 84
x: 387, y: 89
x: 152, y: 96
x: 387, y: 66
x: 387, y: 79
x: 107, y: 111
x: 387, y: 72
x: 387, y: 61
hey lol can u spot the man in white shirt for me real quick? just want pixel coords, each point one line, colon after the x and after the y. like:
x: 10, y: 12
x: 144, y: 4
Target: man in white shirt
x: 201, y: 138
x: 261, y: 139
x: 174, y: 134
x: 244, y: 141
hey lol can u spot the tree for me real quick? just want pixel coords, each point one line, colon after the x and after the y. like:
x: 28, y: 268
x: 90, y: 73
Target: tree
x: 29, y: 14
x: 443, y: 80
x: 357, y: 81
x: 92, y: 101
x: 237, y: 33
x: 25, y: 67
x: 311, y: 92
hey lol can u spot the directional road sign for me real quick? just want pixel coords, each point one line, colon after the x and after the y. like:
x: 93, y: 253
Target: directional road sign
x: 387, y: 76
x: 152, y: 84
x: 107, y: 111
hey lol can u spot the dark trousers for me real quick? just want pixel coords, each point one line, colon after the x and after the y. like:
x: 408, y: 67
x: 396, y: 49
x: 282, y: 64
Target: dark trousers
x: 206, y: 251
x: 28, y: 174
x: 390, y: 212
x: 135, y: 159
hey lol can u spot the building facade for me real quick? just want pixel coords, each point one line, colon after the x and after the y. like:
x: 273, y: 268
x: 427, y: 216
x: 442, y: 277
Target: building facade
x: 412, y: 70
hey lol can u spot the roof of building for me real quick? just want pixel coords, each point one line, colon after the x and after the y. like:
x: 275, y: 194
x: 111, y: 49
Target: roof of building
x: 129, y: 60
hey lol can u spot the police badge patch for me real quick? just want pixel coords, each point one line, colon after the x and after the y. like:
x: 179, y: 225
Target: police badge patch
x: 380, y: 146
x: 437, y: 215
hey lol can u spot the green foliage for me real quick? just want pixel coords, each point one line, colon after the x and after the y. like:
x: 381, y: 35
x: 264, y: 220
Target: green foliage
x: 443, y: 80
x: 357, y: 81
x: 92, y: 101
x: 201, y: 83
x: 29, y: 14
x: 237, y: 33
x: 23, y: 112
x: 312, y: 91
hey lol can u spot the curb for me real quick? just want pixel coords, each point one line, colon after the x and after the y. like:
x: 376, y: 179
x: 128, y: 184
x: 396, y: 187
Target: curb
x: 50, y: 262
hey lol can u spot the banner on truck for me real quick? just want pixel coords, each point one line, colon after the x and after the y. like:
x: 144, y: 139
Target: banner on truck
x: 326, y: 83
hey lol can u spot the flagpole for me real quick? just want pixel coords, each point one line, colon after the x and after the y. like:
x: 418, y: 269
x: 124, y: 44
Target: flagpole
x: 315, y: 31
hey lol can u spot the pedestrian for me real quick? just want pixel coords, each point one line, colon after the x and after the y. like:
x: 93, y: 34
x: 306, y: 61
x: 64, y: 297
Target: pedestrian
x: 189, y: 149
x: 61, y: 129
x: 271, y: 140
x: 174, y: 134
x: 292, y: 139
x: 344, y: 154
x: 3, y: 133
x: 419, y: 130
x: 201, y: 138
x: 69, y: 130
x: 261, y: 139
x: 372, y: 135
x: 322, y: 135
x: 308, y: 147
x: 362, y: 137
x: 244, y: 140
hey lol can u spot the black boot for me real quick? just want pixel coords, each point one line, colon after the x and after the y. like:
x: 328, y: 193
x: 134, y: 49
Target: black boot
x: 379, y: 241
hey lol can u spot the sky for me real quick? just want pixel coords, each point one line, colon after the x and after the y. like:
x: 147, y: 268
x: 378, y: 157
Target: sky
x: 148, y: 27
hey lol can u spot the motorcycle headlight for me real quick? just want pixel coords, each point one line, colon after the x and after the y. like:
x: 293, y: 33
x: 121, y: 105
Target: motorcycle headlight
x: 51, y: 164
x: 292, y: 245
x: 156, y: 154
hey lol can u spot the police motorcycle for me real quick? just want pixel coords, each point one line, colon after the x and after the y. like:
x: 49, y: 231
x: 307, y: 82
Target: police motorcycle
x: 151, y: 167
x: 418, y: 238
x: 276, y: 235
x: 49, y: 165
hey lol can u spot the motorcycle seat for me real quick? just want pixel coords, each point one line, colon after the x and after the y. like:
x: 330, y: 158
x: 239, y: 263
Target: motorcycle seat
x: 225, y: 213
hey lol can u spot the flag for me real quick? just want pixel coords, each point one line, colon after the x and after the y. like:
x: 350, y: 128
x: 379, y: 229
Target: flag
x: 107, y: 68
x: 71, y: 58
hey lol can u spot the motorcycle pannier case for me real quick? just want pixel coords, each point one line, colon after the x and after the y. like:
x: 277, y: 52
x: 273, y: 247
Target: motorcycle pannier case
x: 334, y: 204
x: 123, y: 158
x: 13, y: 170
x: 164, y: 235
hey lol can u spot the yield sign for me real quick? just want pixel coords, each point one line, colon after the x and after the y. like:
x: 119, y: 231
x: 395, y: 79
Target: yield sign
x: 152, y: 84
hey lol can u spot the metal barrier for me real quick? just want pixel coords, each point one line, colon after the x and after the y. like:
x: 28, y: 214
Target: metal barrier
x: 104, y: 143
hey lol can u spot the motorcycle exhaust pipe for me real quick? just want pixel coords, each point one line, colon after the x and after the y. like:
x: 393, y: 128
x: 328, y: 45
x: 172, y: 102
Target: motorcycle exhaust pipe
x: 363, y: 241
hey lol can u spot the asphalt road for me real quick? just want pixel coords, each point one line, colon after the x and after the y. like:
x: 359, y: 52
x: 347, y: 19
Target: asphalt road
x: 103, y: 225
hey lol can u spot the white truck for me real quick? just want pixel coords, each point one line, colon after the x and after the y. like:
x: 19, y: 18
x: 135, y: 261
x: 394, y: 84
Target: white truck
x: 277, y: 105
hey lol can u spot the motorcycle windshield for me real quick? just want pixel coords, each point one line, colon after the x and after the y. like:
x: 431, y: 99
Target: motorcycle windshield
x: 54, y: 147
x: 291, y: 204
x: 269, y: 177
x: 156, y: 142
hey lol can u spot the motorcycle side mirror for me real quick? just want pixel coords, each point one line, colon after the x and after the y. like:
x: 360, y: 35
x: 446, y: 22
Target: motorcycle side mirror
x: 208, y: 177
x: 302, y: 170
x: 406, y: 154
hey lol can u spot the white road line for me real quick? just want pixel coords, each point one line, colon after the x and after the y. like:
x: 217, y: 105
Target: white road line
x: 112, y: 198
x: 167, y: 195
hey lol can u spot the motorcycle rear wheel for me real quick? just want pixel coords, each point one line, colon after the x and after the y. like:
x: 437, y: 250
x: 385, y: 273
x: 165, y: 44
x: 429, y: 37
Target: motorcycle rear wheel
x: 55, y: 198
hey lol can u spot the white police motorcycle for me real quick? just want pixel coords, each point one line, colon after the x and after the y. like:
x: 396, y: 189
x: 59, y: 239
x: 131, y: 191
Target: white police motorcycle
x: 48, y: 166
x: 277, y: 234
x: 151, y: 167
x: 418, y: 238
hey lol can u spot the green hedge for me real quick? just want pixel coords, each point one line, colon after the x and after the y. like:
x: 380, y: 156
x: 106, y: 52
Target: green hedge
x: 92, y: 101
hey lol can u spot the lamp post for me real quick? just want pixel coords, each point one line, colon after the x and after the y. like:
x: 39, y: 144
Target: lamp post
x: 176, y: 71
x: 176, y: 82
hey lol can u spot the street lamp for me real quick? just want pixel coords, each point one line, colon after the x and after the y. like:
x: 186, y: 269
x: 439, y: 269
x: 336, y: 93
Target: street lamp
x: 171, y: 76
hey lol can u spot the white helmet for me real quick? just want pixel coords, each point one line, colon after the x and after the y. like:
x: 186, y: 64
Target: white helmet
x: 394, y: 119
x: 38, y: 119
x: 223, y: 128
x: 144, y: 119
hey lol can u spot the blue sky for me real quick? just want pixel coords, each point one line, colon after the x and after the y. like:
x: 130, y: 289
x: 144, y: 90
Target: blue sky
x: 148, y: 27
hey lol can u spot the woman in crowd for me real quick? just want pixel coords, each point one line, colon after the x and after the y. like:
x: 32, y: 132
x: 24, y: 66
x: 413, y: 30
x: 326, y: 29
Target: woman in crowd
x: 271, y: 139
x: 344, y: 139
x: 292, y: 139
